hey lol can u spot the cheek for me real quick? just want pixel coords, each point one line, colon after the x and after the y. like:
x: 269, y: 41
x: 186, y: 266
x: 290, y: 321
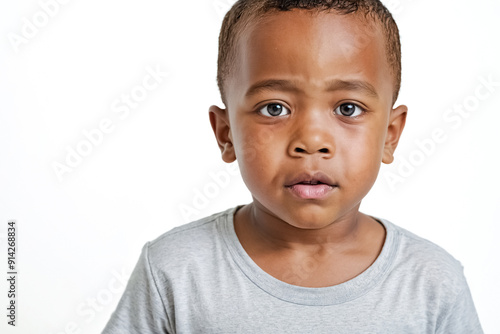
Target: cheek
x: 255, y: 147
x: 363, y: 154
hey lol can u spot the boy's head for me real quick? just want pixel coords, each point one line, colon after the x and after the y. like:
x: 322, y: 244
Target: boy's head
x: 309, y: 89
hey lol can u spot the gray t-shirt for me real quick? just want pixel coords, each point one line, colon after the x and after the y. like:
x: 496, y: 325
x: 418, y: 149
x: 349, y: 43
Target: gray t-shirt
x: 197, y: 278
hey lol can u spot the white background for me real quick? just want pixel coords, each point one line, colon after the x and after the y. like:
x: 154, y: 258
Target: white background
x: 76, y: 236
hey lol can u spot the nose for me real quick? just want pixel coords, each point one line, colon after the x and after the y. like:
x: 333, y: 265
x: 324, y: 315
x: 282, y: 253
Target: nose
x: 312, y: 136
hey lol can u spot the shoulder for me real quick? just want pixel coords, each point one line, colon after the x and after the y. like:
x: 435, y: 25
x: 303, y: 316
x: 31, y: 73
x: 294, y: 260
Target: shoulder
x: 192, y: 240
x: 431, y: 281
x: 425, y: 251
x: 426, y: 261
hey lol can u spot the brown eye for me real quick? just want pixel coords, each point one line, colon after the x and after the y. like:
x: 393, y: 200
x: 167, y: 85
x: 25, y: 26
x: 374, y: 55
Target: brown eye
x: 349, y: 110
x: 273, y: 110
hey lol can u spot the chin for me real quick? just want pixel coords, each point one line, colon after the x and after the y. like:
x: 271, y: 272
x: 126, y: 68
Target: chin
x: 309, y: 220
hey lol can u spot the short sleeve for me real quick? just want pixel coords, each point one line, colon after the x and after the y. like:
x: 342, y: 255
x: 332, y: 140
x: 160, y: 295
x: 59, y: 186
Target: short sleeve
x: 141, y: 309
x: 462, y: 317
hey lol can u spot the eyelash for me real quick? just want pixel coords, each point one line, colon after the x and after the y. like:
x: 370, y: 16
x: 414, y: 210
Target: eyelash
x: 363, y: 110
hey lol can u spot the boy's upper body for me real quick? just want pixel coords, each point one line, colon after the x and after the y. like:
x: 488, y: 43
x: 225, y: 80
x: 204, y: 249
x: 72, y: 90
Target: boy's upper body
x: 198, y: 278
x: 309, y: 117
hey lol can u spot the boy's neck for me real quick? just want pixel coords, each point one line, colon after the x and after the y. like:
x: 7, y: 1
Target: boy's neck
x: 342, y: 250
x: 348, y: 230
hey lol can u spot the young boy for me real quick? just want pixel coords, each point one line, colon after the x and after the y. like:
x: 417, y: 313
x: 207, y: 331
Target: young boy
x: 309, y: 88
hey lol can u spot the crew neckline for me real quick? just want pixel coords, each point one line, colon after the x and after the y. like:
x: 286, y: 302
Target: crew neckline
x: 323, y: 296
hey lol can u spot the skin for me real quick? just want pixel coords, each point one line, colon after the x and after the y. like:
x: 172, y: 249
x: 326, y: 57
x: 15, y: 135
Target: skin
x: 309, y: 242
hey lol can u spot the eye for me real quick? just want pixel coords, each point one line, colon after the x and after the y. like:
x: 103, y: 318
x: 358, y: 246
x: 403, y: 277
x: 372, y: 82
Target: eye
x: 274, y: 109
x: 349, y: 110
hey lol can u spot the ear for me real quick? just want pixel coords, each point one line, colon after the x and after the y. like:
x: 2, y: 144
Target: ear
x: 219, y: 120
x: 397, y: 120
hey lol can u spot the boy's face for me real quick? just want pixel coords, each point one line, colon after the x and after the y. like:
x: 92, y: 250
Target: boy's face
x: 310, y: 95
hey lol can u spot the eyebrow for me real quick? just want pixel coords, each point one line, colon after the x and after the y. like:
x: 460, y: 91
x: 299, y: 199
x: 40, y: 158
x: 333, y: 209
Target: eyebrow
x: 289, y: 86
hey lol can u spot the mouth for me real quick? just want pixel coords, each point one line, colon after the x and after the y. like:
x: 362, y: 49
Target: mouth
x: 311, y: 185
x: 310, y: 179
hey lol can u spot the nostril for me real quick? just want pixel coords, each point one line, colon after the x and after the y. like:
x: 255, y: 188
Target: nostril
x: 301, y: 150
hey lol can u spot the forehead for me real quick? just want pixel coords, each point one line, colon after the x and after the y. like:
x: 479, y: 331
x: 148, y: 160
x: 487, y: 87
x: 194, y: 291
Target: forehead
x: 312, y: 48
